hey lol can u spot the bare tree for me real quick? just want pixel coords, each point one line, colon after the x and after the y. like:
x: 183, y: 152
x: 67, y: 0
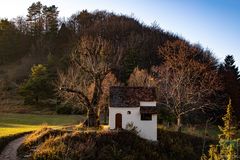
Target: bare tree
x: 92, y: 60
x: 187, y: 80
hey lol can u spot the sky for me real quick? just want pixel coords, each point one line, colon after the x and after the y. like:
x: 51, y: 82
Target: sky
x: 214, y: 24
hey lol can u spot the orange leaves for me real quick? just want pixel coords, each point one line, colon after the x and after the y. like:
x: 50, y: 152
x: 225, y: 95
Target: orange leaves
x: 140, y: 78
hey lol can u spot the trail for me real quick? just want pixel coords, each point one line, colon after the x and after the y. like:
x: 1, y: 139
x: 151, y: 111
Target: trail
x: 10, y: 151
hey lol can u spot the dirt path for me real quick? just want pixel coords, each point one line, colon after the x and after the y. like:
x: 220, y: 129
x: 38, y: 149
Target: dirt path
x: 10, y: 151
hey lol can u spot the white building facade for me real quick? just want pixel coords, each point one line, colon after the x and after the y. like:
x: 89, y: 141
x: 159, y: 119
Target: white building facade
x: 136, y: 106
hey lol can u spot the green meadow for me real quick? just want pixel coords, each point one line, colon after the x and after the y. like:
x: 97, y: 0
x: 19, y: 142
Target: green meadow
x: 18, y: 123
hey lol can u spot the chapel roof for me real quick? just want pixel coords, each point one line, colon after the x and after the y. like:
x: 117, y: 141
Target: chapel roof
x: 131, y: 96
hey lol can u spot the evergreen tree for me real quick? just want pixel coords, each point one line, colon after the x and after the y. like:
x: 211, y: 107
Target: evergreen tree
x: 231, y: 78
x: 65, y: 41
x: 229, y: 65
x: 130, y: 62
x: 35, y: 19
x: 38, y: 86
x: 13, y: 43
x: 50, y: 15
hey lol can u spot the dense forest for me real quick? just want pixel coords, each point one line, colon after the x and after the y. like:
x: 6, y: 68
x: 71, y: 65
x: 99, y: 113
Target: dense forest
x: 41, y: 52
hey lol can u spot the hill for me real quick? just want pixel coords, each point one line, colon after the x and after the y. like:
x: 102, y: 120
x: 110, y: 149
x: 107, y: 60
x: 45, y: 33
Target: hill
x: 57, y: 145
x: 138, y: 44
x: 50, y: 41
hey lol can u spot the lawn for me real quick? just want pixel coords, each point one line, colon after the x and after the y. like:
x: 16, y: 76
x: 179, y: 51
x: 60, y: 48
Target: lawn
x: 17, y: 123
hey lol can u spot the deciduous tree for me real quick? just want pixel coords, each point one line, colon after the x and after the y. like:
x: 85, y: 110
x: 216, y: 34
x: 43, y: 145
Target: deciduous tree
x: 92, y: 60
x: 141, y: 78
x: 187, y: 80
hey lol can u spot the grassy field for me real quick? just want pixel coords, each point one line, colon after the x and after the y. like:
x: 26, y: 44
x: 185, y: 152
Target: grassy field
x: 17, y: 123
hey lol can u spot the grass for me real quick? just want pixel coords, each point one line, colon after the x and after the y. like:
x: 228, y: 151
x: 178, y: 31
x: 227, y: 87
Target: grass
x: 15, y: 105
x: 212, y: 131
x: 18, y: 123
x: 199, y: 131
x: 101, y: 145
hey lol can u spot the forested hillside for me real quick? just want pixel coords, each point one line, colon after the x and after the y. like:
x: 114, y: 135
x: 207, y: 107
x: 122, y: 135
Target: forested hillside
x: 41, y: 33
x: 35, y: 48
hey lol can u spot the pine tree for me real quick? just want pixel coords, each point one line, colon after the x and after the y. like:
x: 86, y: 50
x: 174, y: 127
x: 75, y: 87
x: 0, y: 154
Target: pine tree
x: 35, y: 19
x: 38, y: 86
x: 50, y: 16
x: 231, y: 80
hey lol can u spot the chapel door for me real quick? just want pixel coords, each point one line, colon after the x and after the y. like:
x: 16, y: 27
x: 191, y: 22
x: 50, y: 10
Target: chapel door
x: 118, y: 121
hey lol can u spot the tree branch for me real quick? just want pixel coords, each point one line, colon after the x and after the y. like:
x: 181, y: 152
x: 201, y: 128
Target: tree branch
x: 81, y: 94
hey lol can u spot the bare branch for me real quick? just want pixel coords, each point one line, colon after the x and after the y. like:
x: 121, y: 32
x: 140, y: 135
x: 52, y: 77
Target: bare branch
x: 81, y: 94
x: 184, y: 82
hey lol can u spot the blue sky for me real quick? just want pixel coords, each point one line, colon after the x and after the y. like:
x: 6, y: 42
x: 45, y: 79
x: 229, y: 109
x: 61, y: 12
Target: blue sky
x: 215, y: 24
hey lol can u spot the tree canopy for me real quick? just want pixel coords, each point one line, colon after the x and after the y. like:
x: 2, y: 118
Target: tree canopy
x: 91, y: 61
x: 38, y: 86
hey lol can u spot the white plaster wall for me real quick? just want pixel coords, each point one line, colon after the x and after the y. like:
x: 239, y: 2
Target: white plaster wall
x: 147, y: 129
x: 144, y: 103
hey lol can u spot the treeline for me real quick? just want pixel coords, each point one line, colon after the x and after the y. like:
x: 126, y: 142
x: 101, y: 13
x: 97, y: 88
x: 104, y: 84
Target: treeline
x: 41, y: 33
x: 50, y: 40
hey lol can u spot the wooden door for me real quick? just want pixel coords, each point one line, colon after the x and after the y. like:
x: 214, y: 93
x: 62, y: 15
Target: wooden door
x: 118, y: 121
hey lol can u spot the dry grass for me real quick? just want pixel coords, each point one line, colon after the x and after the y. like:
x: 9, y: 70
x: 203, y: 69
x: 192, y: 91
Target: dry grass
x: 59, y: 144
x: 40, y: 133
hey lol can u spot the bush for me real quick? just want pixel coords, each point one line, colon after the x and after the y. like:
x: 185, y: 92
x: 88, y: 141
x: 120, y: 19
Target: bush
x: 181, y: 146
x: 165, y: 116
x: 64, y: 109
x: 79, y: 110
x: 69, y: 109
x: 28, y: 100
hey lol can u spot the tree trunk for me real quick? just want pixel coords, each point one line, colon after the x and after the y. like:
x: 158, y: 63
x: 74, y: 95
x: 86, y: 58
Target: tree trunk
x: 92, y: 118
x: 179, y: 123
x: 105, y: 115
